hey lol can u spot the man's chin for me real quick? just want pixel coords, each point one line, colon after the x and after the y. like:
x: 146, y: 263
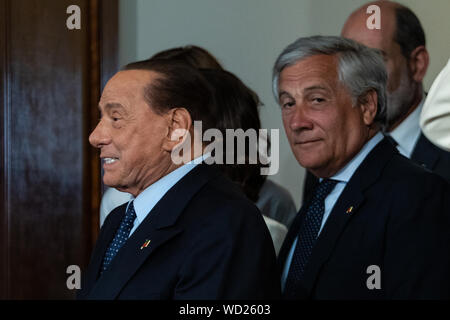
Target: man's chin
x: 111, y: 182
x: 308, y: 163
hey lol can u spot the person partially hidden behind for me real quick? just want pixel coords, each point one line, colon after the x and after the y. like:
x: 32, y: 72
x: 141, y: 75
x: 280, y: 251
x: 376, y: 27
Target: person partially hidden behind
x: 402, y: 42
x: 238, y: 109
x: 376, y: 226
x: 189, y: 233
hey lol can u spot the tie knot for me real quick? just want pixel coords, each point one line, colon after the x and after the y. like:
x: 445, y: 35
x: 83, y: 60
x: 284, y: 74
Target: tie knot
x: 130, y: 214
x: 324, y: 188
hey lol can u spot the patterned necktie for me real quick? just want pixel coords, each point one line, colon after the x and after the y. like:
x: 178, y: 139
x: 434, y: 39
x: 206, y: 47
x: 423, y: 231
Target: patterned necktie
x: 120, y: 237
x: 307, y: 237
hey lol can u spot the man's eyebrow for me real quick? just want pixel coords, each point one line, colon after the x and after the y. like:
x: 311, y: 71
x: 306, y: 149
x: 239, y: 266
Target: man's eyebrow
x: 284, y: 93
x: 113, y: 105
x: 311, y: 88
x: 316, y: 87
x: 110, y: 106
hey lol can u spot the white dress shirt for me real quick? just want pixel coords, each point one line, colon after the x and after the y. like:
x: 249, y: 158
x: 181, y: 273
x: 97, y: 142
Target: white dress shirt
x: 408, y: 132
x: 343, y: 176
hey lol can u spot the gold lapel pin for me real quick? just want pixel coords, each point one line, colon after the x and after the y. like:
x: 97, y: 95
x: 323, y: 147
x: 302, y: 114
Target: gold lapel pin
x: 146, y: 243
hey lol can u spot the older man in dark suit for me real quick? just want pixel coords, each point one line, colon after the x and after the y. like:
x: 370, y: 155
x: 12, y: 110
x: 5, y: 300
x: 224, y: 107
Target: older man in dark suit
x: 189, y: 233
x: 376, y: 226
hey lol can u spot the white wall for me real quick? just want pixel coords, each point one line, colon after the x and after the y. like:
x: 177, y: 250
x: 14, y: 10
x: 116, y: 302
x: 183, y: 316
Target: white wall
x: 247, y: 35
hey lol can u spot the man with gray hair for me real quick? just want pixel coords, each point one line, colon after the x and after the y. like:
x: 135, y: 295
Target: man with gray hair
x: 375, y: 226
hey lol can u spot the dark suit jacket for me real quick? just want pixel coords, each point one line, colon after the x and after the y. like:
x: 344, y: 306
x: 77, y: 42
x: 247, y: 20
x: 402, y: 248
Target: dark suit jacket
x: 399, y: 221
x: 431, y: 157
x: 425, y: 153
x: 207, y: 242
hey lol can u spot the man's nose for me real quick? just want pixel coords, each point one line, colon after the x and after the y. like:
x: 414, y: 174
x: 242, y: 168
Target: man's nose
x: 99, y: 136
x: 300, y: 119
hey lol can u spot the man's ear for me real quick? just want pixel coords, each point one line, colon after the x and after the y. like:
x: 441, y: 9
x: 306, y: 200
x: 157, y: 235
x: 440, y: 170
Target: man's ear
x: 369, y: 106
x: 180, y: 123
x: 418, y: 63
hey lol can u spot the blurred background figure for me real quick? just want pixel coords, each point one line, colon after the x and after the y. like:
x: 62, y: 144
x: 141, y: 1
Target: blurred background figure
x: 401, y: 40
x: 239, y: 105
x: 240, y: 111
x: 435, y: 117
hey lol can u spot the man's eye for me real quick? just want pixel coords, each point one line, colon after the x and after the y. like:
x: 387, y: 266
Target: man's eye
x: 288, y: 104
x: 318, y: 100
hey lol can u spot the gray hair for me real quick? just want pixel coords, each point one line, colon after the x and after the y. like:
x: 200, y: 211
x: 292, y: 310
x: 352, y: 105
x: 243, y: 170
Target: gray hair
x: 360, y: 68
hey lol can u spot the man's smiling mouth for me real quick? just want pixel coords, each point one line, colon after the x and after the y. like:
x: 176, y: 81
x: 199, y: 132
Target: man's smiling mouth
x: 110, y: 160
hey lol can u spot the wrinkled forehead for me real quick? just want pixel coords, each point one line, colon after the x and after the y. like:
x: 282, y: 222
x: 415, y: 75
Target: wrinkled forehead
x: 312, y: 68
x: 128, y: 84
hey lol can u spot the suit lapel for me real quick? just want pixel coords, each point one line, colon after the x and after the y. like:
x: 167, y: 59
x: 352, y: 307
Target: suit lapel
x: 130, y: 258
x: 159, y: 227
x: 346, y: 207
x: 106, y: 235
x: 351, y: 199
x: 290, y: 237
x: 425, y: 153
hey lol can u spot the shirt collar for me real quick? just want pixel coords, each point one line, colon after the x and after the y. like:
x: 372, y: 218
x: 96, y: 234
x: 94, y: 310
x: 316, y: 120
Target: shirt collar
x: 349, y: 169
x: 148, y: 198
x: 407, y: 133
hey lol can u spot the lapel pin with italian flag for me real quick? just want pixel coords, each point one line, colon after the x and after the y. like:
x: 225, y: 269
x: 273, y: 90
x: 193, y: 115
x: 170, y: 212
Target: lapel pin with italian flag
x: 146, y: 243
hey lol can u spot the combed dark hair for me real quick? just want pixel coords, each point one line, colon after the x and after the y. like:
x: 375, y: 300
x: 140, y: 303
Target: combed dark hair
x: 194, y: 56
x: 238, y: 109
x: 211, y: 95
x: 178, y: 85
x: 409, y: 33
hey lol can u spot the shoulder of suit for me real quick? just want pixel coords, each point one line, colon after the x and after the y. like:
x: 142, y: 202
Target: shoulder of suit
x: 223, y: 199
x: 401, y: 170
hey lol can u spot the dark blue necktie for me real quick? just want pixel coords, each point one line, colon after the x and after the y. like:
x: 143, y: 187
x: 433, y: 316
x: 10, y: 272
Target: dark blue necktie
x: 120, y: 237
x: 307, y: 237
